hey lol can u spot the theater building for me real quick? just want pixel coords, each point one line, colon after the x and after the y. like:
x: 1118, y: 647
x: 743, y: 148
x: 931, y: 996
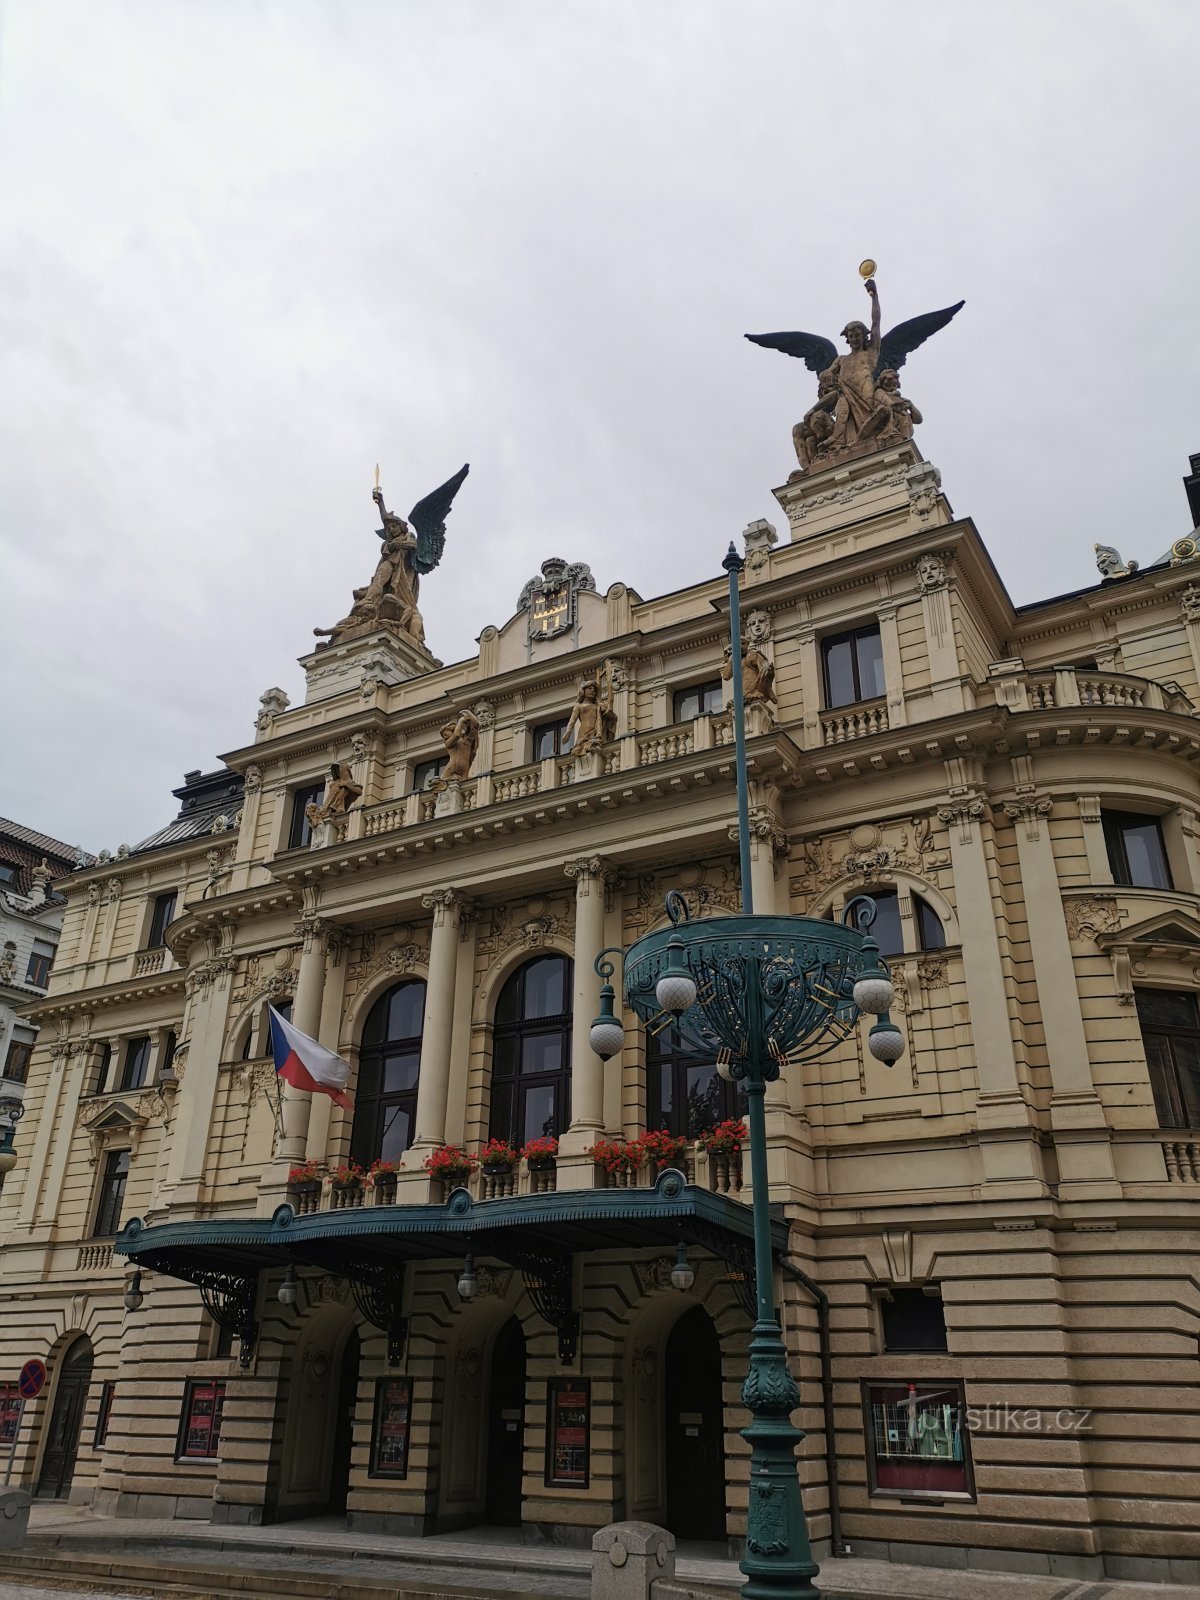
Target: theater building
x: 986, y: 1253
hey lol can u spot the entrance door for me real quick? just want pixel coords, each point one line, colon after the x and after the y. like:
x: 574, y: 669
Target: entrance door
x: 70, y: 1398
x: 694, y: 1433
x: 506, y: 1426
x: 343, y: 1423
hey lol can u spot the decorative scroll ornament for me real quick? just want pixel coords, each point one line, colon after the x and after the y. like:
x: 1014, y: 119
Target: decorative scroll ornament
x: 1088, y: 915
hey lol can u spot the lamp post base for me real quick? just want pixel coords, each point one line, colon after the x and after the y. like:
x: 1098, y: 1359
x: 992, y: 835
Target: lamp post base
x: 778, y: 1560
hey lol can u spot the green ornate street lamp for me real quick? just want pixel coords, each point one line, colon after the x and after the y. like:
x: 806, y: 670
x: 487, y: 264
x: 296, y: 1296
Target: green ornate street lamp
x: 759, y: 993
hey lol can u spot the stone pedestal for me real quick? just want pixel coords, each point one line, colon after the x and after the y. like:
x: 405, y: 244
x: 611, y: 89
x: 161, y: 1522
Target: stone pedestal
x: 627, y: 1557
x: 849, y: 491
x: 364, y: 664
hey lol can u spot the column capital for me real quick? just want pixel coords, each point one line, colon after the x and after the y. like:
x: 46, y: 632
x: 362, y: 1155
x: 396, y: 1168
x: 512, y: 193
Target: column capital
x: 585, y: 869
x: 965, y: 811
x: 311, y: 925
x: 1030, y: 809
x: 443, y: 903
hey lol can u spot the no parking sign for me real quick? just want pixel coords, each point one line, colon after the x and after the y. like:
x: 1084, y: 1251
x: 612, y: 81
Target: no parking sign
x: 32, y: 1379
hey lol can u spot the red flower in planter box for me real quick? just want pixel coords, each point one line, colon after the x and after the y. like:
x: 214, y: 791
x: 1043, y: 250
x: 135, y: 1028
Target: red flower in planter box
x: 448, y: 1162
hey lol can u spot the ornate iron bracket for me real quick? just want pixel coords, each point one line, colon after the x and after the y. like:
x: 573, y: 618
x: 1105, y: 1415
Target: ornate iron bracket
x: 230, y: 1298
x: 379, y: 1295
x: 738, y: 1255
x: 548, y: 1282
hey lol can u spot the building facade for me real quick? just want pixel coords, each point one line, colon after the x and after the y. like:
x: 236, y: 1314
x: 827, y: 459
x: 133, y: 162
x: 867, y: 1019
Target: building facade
x: 986, y: 1251
x: 31, y: 916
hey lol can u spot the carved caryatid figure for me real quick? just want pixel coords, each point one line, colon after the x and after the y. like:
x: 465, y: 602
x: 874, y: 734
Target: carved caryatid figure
x: 859, y: 406
x: 390, y: 599
x: 341, y: 792
x: 758, y: 674
x: 593, y: 720
x: 461, y: 738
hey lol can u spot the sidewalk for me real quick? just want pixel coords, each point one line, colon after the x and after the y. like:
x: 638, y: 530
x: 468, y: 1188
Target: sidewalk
x: 492, y: 1560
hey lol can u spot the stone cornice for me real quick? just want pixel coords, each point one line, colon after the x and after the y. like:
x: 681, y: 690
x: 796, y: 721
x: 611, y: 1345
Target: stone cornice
x: 108, y: 994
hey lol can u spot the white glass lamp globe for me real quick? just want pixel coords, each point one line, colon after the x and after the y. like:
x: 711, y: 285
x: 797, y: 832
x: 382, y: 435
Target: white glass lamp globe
x: 886, y: 1042
x: 676, y: 991
x: 874, y: 994
x: 607, y: 1035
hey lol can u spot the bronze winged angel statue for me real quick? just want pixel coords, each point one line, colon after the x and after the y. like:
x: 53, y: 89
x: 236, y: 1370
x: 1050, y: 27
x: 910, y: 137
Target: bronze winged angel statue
x: 859, y: 406
x: 390, y: 599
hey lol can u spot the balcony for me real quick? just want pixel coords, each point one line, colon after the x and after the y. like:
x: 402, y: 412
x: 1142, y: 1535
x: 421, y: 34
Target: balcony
x: 1035, y: 690
x: 1182, y: 1157
x: 858, y: 721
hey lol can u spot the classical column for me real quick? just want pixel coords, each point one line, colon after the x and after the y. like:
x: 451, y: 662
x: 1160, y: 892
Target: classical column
x: 433, y: 1085
x: 1080, y: 1128
x: 208, y: 988
x: 1002, y: 1115
x: 306, y: 1016
x: 592, y: 875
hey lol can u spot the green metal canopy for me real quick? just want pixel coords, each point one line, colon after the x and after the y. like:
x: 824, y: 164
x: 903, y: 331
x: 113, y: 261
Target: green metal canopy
x: 371, y: 1246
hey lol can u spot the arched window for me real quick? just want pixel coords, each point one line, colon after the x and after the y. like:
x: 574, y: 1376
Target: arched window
x: 930, y: 933
x: 684, y: 1091
x: 531, y: 1052
x: 389, y: 1062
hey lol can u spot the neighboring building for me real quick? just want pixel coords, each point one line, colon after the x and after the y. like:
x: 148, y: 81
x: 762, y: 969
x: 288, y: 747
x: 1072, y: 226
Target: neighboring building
x: 1005, y: 1223
x: 31, y: 914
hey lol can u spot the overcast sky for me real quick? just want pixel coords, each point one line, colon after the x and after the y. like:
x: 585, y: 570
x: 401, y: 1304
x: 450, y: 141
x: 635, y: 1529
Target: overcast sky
x: 247, y: 250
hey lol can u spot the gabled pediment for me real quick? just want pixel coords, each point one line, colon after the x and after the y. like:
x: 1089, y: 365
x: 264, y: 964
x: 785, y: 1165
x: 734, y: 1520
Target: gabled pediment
x: 117, y: 1123
x: 1167, y: 928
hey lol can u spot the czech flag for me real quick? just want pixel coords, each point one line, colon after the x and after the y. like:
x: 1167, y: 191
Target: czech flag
x: 307, y: 1065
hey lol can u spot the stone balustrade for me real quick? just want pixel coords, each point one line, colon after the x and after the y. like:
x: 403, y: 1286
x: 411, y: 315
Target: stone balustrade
x: 148, y: 962
x: 664, y: 746
x: 854, y: 722
x: 1058, y: 687
x: 94, y: 1258
x: 1182, y: 1157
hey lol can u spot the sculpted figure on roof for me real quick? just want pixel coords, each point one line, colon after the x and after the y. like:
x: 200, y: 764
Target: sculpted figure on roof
x: 859, y: 406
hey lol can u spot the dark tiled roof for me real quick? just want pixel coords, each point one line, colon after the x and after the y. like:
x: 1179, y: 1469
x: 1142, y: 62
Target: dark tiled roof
x: 55, y: 849
x: 25, y: 848
x: 203, y: 797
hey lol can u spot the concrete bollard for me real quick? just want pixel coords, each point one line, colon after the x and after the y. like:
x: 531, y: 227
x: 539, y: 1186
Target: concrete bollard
x: 627, y: 1557
x: 14, y: 1518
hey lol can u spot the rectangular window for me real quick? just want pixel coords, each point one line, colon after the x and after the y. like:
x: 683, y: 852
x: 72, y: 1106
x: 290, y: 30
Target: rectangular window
x: 568, y: 1432
x: 37, y: 974
x: 1171, y: 1037
x: 917, y: 1440
x: 425, y: 772
x: 164, y: 910
x: 853, y: 664
x: 20, y: 1048
x: 389, y: 1428
x: 10, y: 1412
x: 548, y: 739
x: 200, y: 1425
x: 701, y: 700
x: 108, y: 1391
x: 913, y: 1320
x: 1135, y: 850
x: 112, y: 1194
x: 8, y: 873
x: 137, y: 1063
x: 300, y: 833
x: 104, y: 1067
x: 167, y: 1070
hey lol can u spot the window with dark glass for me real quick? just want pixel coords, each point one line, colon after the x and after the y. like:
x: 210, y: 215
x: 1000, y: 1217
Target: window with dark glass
x: 1171, y: 1036
x: 112, y: 1194
x: 930, y: 933
x: 167, y: 1070
x: 426, y: 771
x: 700, y: 700
x: 389, y: 1062
x: 853, y: 664
x: 912, y: 1320
x: 164, y: 910
x: 8, y: 873
x: 918, y: 1442
x: 200, y: 1425
x: 531, y: 1052
x: 136, y: 1064
x: 103, y: 1067
x: 548, y: 739
x: 1135, y: 850
x: 108, y: 1392
x: 37, y: 974
x: 10, y: 1412
x: 684, y: 1091
x: 300, y: 833
x: 20, y: 1048
x: 886, y: 929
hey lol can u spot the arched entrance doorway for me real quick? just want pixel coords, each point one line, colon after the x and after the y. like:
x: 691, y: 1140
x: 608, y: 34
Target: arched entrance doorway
x: 343, y: 1423
x: 694, y: 1429
x: 70, y: 1397
x: 506, y: 1426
